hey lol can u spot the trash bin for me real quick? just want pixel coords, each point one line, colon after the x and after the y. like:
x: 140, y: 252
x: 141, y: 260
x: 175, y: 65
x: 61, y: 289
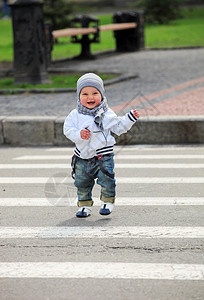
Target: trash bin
x: 29, y: 42
x: 129, y: 39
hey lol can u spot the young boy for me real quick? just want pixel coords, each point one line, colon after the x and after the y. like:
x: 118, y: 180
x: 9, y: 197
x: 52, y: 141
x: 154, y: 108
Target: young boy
x: 89, y: 126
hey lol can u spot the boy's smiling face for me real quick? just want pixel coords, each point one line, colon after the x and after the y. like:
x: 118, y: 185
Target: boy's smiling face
x: 90, y: 97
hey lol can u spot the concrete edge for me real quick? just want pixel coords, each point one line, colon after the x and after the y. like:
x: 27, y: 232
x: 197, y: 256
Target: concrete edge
x: 48, y: 130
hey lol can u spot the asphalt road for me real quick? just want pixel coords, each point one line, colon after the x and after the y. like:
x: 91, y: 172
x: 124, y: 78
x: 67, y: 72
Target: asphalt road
x: 150, y: 248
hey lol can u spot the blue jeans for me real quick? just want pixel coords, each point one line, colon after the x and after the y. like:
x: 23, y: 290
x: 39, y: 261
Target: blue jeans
x: 86, y: 171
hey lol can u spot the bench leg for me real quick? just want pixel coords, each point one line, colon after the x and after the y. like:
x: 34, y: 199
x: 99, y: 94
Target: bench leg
x: 85, y: 49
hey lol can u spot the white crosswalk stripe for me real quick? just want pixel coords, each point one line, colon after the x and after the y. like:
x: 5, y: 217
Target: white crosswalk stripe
x: 118, y: 156
x: 137, y: 148
x: 117, y: 166
x: 30, y: 171
x: 121, y: 201
x: 101, y: 232
x: 128, y: 180
x: 101, y: 270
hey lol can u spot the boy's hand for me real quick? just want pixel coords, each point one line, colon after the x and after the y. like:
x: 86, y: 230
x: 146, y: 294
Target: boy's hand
x: 136, y: 114
x: 85, y: 134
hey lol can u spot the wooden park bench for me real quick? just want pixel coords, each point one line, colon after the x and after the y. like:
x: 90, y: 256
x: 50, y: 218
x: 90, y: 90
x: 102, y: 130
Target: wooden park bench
x: 86, y: 35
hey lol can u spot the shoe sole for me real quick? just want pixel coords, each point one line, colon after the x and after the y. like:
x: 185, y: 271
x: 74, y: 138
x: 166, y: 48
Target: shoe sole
x: 81, y: 216
x: 104, y: 213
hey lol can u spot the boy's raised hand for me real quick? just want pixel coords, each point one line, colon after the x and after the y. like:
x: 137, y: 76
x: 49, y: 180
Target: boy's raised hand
x: 136, y: 114
x: 85, y: 134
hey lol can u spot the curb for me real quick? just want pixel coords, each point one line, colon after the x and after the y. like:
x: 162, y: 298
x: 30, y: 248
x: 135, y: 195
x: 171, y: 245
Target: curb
x: 47, y: 131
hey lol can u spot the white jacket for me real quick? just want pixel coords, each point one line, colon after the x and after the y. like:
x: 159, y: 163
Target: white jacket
x: 100, y: 142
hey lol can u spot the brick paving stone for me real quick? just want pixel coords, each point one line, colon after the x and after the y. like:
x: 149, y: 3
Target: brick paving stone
x: 190, y: 103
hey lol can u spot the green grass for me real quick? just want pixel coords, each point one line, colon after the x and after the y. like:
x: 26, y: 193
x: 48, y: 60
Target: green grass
x: 58, y: 81
x: 6, y: 40
x: 185, y: 32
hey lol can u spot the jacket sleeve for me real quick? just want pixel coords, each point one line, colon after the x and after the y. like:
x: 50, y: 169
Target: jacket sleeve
x: 124, y: 123
x: 70, y: 128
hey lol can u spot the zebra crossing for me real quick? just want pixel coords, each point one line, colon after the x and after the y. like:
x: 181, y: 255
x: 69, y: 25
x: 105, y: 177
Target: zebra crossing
x: 154, y: 236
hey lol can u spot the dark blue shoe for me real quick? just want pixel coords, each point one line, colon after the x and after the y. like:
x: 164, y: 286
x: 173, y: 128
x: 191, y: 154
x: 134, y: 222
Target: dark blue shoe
x: 106, y: 208
x: 84, y: 212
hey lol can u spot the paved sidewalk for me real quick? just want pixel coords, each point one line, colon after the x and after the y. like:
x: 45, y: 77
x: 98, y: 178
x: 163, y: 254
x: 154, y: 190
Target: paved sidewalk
x: 170, y: 83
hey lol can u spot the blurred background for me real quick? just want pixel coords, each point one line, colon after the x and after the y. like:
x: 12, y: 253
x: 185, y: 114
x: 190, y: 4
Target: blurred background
x: 168, y: 24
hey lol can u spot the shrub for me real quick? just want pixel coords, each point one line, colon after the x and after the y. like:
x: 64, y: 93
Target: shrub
x: 57, y: 12
x: 160, y: 11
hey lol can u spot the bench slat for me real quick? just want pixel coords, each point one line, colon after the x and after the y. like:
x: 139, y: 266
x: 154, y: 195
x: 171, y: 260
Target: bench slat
x: 73, y: 31
x: 77, y: 31
x: 118, y: 26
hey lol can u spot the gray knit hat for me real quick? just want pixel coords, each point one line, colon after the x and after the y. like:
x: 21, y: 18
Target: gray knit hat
x: 90, y: 79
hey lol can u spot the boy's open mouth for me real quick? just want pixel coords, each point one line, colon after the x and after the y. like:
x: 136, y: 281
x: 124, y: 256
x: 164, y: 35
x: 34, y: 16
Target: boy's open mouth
x: 91, y: 102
